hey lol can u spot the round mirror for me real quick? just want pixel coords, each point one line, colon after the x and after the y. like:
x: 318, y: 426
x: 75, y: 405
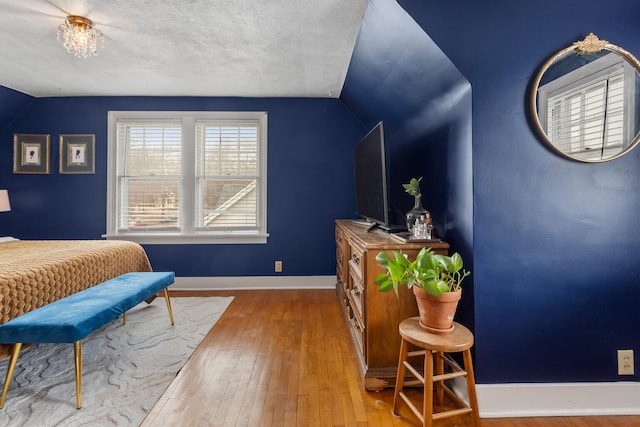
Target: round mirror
x: 585, y: 103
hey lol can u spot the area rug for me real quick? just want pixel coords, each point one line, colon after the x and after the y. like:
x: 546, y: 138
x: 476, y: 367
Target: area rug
x: 125, y: 367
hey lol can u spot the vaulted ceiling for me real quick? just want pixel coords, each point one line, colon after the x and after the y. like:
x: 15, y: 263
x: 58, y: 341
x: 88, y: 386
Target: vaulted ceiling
x: 251, y: 48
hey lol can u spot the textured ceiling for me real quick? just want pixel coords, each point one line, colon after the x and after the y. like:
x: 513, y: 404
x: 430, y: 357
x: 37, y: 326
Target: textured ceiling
x: 252, y: 48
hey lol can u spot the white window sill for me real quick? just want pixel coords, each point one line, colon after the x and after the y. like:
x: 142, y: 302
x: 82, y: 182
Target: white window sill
x: 194, y: 239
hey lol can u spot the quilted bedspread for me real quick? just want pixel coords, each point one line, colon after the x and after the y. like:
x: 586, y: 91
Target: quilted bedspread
x: 34, y: 273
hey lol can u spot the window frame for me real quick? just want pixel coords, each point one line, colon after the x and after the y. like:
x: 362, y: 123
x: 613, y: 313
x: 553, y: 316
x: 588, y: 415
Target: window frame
x: 594, y: 72
x: 189, y: 234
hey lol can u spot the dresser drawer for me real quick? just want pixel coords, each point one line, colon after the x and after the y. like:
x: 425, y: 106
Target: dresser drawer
x: 340, y: 270
x: 339, y: 237
x: 356, y: 262
x: 356, y: 293
x: 357, y: 328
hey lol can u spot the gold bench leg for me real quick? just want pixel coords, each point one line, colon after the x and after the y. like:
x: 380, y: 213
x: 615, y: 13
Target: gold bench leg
x: 12, y: 364
x: 77, y: 350
x: 166, y: 298
x: 124, y: 318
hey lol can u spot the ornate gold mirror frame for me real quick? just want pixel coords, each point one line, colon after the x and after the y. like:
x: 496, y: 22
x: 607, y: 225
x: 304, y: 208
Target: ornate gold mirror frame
x: 585, y: 101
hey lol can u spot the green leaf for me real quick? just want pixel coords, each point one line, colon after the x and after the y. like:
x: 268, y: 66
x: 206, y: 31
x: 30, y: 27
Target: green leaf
x: 442, y: 286
x: 381, y: 279
x: 456, y: 262
x: 441, y: 261
x: 413, y: 187
x: 384, y: 283
x: 383, y: 259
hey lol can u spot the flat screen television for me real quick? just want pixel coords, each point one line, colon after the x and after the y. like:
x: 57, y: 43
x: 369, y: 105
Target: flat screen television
x: 370, y: 163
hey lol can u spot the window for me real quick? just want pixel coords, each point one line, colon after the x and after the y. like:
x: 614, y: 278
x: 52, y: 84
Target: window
x: 583, y: 112
x: 187, y: 177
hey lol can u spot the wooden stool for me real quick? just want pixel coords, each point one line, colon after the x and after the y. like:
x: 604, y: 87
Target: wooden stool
x: 435, y: 348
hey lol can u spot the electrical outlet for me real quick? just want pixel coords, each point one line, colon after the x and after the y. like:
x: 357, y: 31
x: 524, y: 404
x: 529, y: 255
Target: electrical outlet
x: 278, y: 266
x: 625, y: 362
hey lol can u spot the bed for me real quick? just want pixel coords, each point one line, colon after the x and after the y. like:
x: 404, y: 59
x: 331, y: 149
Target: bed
x: 34, y: 273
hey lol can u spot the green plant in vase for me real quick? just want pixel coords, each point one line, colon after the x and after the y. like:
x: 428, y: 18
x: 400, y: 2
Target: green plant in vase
x: 413, y: 187
x: 418, y: 218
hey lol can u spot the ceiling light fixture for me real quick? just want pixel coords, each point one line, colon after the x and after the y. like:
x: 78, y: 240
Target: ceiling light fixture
x: 79, y: 37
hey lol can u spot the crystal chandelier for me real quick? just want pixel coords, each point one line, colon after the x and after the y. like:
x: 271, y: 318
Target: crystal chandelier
x: 79, y: 37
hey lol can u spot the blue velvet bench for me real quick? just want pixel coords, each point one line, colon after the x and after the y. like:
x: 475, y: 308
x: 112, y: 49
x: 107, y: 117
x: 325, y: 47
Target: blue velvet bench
x: 70, y: 319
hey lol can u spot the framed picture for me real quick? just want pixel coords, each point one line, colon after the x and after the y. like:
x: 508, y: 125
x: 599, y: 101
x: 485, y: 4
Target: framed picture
x: 77, y: 153
x: 30, y: 153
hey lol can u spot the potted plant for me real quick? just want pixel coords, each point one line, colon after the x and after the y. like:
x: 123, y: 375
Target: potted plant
x: 436, y: 282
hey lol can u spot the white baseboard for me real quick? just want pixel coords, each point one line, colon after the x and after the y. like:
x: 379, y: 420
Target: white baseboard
x: 253, y: 282
x: 557, y: 399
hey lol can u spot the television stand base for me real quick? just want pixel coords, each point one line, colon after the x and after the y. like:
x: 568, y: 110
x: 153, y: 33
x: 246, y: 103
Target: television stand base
x: 373, y: 225
x: 363, y: 222
x: 393, y: 228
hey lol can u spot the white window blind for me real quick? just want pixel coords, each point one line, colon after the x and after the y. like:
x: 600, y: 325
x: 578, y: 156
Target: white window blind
x: 187, y: 177
x: 149, y: 174
x: 590, y: 117
x: 227, y: 174
x: 587, y: 112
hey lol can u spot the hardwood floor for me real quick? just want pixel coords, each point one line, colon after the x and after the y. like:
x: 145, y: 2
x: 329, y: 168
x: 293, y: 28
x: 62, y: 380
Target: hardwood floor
x: 284, y: 358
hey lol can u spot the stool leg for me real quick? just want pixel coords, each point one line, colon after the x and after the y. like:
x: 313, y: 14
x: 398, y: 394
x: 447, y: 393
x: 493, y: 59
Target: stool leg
x: 166, y: 298
x: 10, y: 368
x: 427, y: 408
x: 471, y: 387
x: 77, y: 350
x: 399, y: 376
x: 439, y: 371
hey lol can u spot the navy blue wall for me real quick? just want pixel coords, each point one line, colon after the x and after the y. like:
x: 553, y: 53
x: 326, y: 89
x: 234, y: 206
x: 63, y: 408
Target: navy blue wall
x: 310, y: 183
x: 556, y: 249
x: 12, y: 104
x: 556, y: 242
x: 391, y: 78
x: 400, y: 76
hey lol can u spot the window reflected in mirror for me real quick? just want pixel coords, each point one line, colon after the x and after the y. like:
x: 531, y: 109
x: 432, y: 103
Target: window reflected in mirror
x: 585, y: 101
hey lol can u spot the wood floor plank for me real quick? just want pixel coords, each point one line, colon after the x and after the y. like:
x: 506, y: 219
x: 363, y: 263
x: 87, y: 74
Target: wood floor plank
x: 285, y: 358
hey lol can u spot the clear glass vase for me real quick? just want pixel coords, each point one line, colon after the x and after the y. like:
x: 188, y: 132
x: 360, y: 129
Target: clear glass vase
x: 418, y: 221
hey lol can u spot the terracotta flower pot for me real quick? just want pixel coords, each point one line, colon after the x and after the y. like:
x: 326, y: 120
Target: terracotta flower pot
x: 436, y: 314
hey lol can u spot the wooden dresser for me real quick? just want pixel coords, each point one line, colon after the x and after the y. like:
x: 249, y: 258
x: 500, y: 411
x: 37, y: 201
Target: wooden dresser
x: 373, y: 316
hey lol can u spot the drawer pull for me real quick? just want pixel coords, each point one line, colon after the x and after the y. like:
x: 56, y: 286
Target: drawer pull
x: 356, y: 259
x: 356, y: 292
